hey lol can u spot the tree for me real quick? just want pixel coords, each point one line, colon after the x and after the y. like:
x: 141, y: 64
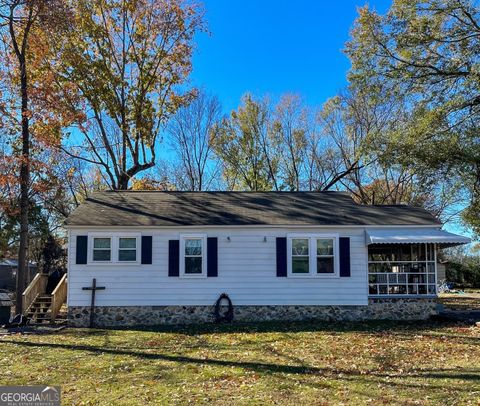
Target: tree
x: 462, y: 266
x: 427, y: 53
x: 48, y: 203
x: 290, y: 130
x: 242, y: 144
x: 189, y: 132
x: 355, y: 122
x: 287, y: 146
x: 52, y: 256
x: 128, y: 61
x: 18, y: 20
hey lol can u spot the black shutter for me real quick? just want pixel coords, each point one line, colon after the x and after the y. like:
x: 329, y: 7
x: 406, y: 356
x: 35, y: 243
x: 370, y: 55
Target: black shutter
x: 344, y: 256
x: 281, y: 256
x: 212, y: 256
x: 174, y: 258
x: 146, y: 249
x: 82, y: 250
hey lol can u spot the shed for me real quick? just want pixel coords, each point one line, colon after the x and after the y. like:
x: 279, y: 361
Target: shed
x: 5, y: 308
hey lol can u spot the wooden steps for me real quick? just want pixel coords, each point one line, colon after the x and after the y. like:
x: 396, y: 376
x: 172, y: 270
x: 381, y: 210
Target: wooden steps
x: 43, y: 307
x: 40, y: 312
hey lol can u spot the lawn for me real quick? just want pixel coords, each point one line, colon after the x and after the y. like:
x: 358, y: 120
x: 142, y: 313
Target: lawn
x: 296, y: 363
x: 466, y: 300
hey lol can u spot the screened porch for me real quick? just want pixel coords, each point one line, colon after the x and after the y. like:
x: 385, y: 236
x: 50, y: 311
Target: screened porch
x: 402, y: 269
x: 403, y: 262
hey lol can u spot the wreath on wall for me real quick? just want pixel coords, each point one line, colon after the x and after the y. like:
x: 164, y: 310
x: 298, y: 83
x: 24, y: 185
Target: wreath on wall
x: 223, y: 317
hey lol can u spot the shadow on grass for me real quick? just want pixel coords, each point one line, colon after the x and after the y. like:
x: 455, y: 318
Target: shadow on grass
x: 466, y: 374
x: 370, y: 326
x: 408, y: 330
x: 464, y: 302
x: 403, y: 330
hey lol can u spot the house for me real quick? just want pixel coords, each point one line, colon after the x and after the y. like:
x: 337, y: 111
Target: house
x: 166, y: 257
x: 8, y: 273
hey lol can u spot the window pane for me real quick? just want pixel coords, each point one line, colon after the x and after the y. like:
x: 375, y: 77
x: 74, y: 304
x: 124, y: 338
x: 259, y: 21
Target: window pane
x: 397, y: 290
x: 400, y: 252
x: 422, y: 289
x: 300, y: 246
x: 193, y: 247
x: 101, y: 255
x: 300, y: 265
x: 431, y: 252
x: 382, y: 289
x: 128, y: 243
x: 101, y: 243
x: 325, y: 247
x: 193, y: 265
x: 127, y: 255
x: 325, y: 265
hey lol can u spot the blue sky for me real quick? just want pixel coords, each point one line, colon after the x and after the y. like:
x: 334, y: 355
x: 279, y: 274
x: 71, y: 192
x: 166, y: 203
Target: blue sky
x: 275, y: 46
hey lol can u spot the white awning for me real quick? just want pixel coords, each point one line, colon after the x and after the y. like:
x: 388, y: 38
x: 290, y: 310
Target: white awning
x: 414, y: 235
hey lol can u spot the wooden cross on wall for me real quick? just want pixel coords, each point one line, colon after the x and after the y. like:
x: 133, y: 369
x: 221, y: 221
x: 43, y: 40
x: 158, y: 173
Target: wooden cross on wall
x: 93, y: 288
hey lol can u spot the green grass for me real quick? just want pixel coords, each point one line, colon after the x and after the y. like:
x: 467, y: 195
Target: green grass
x: 468, y: 300
x: 268, y: 363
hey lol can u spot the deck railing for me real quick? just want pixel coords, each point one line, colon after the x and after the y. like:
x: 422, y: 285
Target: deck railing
x: 36, y: 287
x: 59, y: 296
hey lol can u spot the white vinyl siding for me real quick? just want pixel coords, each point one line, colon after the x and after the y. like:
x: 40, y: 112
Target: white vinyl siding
x: 246, y: 272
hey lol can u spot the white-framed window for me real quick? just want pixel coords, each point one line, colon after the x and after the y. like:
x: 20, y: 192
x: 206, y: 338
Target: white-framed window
x: 325, y: 255
x: 193, y: 255
x: 300, y: 248
x: 118, y: 248
x: 102, y: 249
x: 127, y: 249
x: 312, y: 255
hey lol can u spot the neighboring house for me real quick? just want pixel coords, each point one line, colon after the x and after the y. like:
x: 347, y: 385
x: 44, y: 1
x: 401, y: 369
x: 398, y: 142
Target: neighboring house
x: 165, y: 257
x: 8, y: 273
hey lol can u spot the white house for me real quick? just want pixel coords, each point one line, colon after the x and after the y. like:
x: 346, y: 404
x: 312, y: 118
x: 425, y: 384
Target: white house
x: 166, y: 257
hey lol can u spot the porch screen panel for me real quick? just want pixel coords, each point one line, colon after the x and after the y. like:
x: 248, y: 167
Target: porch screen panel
x: 402, y: 269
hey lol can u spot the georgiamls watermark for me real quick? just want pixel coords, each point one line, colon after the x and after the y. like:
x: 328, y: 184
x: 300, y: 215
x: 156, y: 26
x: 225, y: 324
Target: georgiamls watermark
x: 29, y: 395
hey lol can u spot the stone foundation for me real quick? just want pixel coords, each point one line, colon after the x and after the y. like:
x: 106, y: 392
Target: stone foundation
x: 377, y: 309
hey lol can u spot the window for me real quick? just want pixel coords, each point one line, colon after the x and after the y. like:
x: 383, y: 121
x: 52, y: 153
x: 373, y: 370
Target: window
x: 300, y: 257
x: 193, y: 258
x: 127, y: 249
x: 118, y: 248
x: 402, y: 269
x: 102, y: 249
x: 313, y: 255
x: 325, y: 257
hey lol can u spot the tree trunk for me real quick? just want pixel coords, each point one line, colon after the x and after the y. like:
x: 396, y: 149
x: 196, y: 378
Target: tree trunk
x: 122, y: 182
x: 22, y: 268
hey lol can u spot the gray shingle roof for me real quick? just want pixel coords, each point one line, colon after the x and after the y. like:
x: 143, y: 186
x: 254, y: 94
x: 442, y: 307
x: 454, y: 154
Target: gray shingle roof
x: 152, y: 208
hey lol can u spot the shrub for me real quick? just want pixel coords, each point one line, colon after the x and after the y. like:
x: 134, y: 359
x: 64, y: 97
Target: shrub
x: 465, y: 272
